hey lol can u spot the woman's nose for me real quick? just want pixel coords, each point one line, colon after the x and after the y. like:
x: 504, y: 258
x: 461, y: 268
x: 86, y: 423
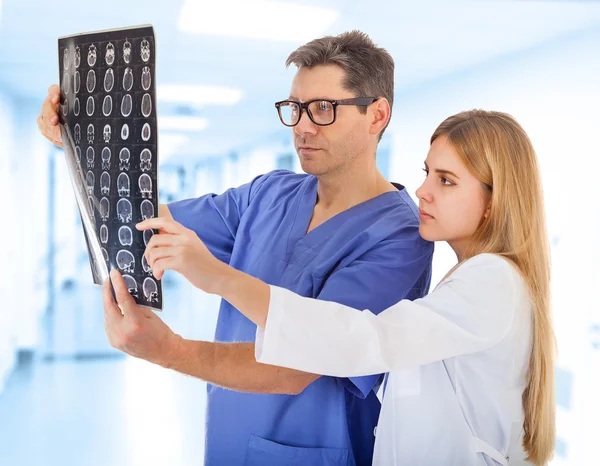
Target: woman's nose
x: 423, y: 193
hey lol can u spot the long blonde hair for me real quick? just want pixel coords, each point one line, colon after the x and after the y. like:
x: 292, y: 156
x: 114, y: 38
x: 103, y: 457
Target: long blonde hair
x: 498, y: 152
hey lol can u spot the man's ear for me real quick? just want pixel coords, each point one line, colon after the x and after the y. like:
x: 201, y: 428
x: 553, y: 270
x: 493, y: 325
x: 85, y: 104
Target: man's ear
x: 381, y: 115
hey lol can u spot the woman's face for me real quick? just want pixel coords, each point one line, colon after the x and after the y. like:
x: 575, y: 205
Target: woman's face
x: 452, y: 202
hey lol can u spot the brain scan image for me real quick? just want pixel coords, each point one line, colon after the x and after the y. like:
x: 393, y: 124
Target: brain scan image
x: 146, y: 132
x: 146, y: 78
x: 109, y: 80
x: 127, y: 79
x: 126, y: 105
x: 145, y: 51
x: 77, y: 57
x: 77, y: 82
x: 109, y: 55
x: 109, y: 110
x: 127, y: 52
x: 91, y: 55
x: 107, y: 106
x: 146, y: 105
x: 90, y: 81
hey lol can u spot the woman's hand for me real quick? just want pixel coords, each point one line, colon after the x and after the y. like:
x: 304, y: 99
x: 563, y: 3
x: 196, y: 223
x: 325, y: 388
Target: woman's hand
x: 178, y: 248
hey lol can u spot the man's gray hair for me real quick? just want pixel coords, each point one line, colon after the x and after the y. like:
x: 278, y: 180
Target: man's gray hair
x: 369, y: 69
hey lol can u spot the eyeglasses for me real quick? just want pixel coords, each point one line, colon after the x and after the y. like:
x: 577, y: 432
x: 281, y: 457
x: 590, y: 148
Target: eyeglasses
x: 321, y: 112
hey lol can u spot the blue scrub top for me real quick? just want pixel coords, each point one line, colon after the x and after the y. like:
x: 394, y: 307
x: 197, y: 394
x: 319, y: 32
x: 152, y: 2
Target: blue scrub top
x: 369, y: 256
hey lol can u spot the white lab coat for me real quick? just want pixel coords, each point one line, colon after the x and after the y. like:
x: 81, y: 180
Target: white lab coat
x: 457, y: 362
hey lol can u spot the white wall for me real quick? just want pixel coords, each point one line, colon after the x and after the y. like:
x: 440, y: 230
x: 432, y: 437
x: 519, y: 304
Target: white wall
x: 29, y: 197
x: 23, y: 245
x: 8, y: 236
x: 554, y: 92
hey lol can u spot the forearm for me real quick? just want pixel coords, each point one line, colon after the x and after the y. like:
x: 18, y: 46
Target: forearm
x: 249, y: 295
x: 233, y: 366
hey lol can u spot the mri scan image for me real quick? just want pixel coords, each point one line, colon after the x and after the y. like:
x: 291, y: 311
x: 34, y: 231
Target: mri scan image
x: 109, y: 80
x: 124, y: 159
x: 125, y: 236
x: 126, y: 105
x: 109, y: 109
x: 146, y: 78
x: 107, y: 106
x: 105, y: 183
x: 124, y: 210
x: 90, y: 106
x: 125, y: 132
x: 109, y: 55
x: 145, y: 185
x: 90, y: 155
x: 90, y: 81
x: 146, y: 105
x: 105, y: 156
x: 66, y: 83
x: 76, y: 106
x: 146, y: 133
x: 123, y: 185
x: 91, y: 55
x: 145, y: 51
x: 127, y: 52
x: 77, y: 57
x: 127, y: 79
x: 77, y: 82
x: 145, y: 160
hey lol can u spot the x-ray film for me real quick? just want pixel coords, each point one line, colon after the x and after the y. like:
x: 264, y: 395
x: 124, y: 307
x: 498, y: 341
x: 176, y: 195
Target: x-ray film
x: 109, y: 133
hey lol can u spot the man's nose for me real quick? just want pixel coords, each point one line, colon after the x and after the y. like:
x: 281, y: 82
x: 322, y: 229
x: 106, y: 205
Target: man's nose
x: 305, y: 125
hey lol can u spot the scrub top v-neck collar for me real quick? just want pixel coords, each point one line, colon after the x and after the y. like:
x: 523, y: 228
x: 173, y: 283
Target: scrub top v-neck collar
x: 304, y: 212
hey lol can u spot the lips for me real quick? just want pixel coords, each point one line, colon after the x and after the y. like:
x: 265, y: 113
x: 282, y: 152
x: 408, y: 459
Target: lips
x: 424, y: 214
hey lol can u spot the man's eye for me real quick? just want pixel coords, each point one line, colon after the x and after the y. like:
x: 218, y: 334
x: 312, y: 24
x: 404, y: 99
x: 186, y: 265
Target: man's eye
x: 324, y: 106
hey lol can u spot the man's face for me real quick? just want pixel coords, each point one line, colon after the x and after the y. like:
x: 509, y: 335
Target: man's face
x: 327, y: 149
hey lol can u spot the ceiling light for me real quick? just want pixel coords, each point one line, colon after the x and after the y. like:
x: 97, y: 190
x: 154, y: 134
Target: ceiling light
x: 256, y: 19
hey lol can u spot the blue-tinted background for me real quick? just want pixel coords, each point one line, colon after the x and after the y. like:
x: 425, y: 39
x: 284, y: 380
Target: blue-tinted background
x: 68, y: 398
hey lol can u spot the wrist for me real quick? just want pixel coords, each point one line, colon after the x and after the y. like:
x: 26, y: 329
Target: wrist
x: 175, y: 352
x: 224, y: 279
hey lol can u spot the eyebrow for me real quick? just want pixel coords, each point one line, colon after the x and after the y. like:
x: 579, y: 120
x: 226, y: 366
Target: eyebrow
x: 441, y: 171
x: 315, y: 98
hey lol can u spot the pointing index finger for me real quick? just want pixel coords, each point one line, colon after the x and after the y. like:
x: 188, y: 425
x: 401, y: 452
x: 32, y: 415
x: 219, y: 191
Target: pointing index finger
x: 160, y: 223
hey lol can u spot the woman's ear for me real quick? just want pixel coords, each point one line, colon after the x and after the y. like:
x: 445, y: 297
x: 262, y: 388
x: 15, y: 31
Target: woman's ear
x: 487, y: 209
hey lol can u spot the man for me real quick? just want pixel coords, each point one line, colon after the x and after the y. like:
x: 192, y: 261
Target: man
x: 339, y: 233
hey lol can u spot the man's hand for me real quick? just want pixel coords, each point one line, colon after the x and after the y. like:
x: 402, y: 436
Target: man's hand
x: 178, y: 248
x: 48, y: 119
x: 135, y: 330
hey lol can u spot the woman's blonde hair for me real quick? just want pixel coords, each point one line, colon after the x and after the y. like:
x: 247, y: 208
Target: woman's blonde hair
x: 498, y: 152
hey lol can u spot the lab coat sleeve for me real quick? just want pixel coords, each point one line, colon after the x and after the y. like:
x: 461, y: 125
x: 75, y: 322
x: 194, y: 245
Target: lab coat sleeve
x: 215, y: 218
x: 470, y: 311
x: 376, y: 280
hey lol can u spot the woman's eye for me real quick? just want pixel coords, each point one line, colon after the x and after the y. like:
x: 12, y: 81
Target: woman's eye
x: 446, y: 181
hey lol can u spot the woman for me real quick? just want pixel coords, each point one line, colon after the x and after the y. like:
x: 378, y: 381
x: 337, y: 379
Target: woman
x: 470, y: 365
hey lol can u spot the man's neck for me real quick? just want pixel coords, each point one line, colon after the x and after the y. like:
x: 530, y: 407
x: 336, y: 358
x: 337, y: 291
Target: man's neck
x: 340, y: 191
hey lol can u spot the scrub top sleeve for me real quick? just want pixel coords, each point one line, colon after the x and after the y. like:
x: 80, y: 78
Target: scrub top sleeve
x: 375, y: 282
x: 471, y: 311
x: 215, y: 218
